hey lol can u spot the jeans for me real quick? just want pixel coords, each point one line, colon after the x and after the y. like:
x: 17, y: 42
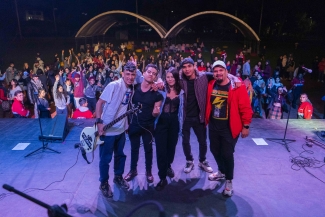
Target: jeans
x: 222, y: 146
x: 135, y: 132
x: 200, y: 132
x: 112, y: 144
x: 166, y: 137
x: 62, y: 111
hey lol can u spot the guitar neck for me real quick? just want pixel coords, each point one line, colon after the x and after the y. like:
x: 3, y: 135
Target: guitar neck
x: 115, y: 121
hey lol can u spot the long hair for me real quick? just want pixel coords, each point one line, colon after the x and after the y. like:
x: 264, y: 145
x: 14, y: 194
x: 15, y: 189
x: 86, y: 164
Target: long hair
x: 175, y: 74
x: 61, y: 94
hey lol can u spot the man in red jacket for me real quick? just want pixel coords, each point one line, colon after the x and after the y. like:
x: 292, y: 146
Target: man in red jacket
x: 228, y: 113
x: 305, y: 110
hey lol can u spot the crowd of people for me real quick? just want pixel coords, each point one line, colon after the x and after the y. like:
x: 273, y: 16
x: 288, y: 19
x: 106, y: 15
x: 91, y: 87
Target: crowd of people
x: 176, y: 92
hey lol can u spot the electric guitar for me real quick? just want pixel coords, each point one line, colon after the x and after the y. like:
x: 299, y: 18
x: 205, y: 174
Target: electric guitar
x: 89, y: 137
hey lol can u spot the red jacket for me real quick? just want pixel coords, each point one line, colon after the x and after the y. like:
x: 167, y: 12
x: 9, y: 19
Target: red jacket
x: 240, y: 110
x: 82, y: 115
x: 2, y: 95
x: 19, y: 108
x: 306, y: 110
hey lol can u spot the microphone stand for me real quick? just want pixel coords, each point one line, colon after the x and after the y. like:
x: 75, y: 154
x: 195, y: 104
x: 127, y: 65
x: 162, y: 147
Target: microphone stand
x: 44, y: 147
x: 284, y: 141
x: 53, y: 211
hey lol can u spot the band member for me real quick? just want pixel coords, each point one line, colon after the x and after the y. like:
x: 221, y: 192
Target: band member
x: 195, y: 85
x: 228, y: 114
x: 113, y: 103
x: 142, y: 124
x: 168, y: 126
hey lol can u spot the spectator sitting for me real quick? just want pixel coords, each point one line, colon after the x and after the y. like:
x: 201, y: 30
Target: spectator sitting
x: 305, y: 110
x: 201, y: 67
x: 82, y: 112
x: 18, y: 108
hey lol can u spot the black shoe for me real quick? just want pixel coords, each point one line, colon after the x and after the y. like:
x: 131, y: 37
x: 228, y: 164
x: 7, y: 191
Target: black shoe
x: 106, y: 190
x: 131, y: 175
x: 121, y: 182
x: 149, y: 176
x: 170, y: 173
x: 161, y: 185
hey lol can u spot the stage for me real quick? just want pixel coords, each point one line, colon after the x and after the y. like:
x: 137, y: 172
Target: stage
x: 265, y: 182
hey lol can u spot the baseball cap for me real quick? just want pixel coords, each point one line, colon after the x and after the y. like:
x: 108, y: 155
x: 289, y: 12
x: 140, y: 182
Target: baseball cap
x: 219, y: 63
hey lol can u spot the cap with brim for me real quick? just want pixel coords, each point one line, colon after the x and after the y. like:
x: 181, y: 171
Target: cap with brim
x: 219, y: 63
x: 35, y: 75
x: 187, y: 60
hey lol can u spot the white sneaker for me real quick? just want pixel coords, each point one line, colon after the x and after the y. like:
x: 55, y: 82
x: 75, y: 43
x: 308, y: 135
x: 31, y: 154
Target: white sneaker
x: 216, y: 176
x: 228, y: 191
x: 205, y: 166
x: 189, y: 166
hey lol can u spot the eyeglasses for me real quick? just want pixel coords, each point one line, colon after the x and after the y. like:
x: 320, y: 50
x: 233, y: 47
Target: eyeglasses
x: 152, y: 73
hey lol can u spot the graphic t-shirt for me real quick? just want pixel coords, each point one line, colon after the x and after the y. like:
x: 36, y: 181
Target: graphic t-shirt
x: 147, y: 100
x: 220, y: 111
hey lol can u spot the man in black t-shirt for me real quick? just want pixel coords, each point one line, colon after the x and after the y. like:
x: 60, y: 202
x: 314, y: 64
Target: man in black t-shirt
x: 142, y: 123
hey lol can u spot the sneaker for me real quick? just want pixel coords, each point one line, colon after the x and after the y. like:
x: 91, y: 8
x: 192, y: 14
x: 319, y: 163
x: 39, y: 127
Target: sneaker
x: 121, y: 182
x: 189, y: 166
x: 131, y: 175
x: 161, y: 185
x: 205, y: 166
x: 216, y: 176
x: 149, y: 176
x: 106, y: 190
x: 228, y: 191
x: 170, y: 172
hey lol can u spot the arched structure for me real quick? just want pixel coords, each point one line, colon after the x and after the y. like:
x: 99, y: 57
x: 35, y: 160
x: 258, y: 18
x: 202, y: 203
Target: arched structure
x: 100, y: 24
x: 243, y: 27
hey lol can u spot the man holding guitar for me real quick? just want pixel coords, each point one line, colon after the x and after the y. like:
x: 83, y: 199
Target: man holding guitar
x: 113, y: 103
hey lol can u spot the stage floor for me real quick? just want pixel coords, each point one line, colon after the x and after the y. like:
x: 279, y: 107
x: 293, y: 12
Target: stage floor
x: 265, y: 182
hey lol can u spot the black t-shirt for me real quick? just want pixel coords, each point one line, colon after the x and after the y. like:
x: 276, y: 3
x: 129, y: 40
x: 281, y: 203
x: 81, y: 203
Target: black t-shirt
x: 219, y: 111
x: 147, y: 100
x: 192, y: 107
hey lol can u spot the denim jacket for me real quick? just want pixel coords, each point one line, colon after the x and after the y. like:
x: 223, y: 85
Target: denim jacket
x: 180, y: 108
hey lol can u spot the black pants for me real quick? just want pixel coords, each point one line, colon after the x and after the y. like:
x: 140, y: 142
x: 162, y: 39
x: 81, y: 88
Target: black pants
x: 222, y: 146
x: 166, y: 137
x: 135, y: 132
x: 200, y: 132
x: 91, y: 104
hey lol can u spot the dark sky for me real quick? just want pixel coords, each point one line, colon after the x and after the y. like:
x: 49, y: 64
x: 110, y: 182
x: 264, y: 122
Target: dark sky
x: 72, y: 12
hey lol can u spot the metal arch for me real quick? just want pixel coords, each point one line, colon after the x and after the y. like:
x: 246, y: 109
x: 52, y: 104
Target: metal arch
x: 156, y: 26
x: 242, y: 23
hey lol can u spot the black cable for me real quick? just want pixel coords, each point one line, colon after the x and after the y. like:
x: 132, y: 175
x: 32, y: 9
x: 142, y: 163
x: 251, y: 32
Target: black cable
x: 301, y: 162
x: 4, y: 195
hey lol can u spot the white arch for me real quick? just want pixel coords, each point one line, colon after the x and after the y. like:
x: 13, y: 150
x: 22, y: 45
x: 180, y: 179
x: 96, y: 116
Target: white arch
x: 218, y: 13
x: 155, y: 25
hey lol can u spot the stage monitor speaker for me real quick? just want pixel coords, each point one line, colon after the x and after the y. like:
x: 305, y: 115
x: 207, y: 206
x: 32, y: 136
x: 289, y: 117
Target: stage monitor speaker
x: 55, y: 130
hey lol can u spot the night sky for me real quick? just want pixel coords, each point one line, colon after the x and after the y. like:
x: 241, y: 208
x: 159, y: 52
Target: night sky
x: 74, y: 13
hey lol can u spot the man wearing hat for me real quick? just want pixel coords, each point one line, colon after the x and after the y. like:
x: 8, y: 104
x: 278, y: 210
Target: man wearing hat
x: 195, y: 85
x: 228, y: 114
x: 32, y: 91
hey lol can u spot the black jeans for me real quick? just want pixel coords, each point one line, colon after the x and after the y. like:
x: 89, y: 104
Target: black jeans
x: 166, y: 137
x: 146, y: 132
x: 222, y: 146
x: 200, y: 132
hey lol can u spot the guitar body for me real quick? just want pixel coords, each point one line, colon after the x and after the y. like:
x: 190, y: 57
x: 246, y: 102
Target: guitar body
x: 89, y: 139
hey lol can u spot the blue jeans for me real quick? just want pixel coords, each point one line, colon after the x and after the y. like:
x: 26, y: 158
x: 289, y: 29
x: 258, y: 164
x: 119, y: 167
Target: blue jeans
x: 111, y: 144
x: 62, y: 111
